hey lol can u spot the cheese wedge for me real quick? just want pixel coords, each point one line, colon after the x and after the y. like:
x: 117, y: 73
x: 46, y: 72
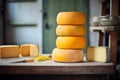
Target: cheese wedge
x: 29, y: 50
x: 67, y: 55
x: 98, y: 54
x: 9, y: 51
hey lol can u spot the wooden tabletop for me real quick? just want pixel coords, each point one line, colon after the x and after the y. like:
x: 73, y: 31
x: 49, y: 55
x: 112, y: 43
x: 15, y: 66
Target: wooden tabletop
x: 51, y: 67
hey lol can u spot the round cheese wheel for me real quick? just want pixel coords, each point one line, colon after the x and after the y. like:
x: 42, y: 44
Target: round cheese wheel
x: 66, y: 42
x: 67, y: 55
x: 71, y: 18
x: 70, y: 30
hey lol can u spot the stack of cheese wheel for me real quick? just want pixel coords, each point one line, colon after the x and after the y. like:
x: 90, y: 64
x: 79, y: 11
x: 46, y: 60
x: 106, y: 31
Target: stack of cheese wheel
x: 70, y: 40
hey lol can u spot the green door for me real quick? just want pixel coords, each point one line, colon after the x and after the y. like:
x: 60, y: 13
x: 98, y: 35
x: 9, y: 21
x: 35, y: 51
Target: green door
x: 51, y: 8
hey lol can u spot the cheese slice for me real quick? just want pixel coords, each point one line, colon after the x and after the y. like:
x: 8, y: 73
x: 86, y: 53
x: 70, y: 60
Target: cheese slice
x: 98, y: 54
x: 29, y: 50
x: 9, y: 51
x: 70, y: 30
x: 67, y: 55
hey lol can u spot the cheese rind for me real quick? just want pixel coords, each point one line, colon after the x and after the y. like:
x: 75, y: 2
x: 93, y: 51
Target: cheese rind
x: 69, y: 42
x: 97, y: 54
x: 29, y: 50
x: 70, y: 30
x: 9, y: 51
x: 67, y: 55
x: 71, y: 18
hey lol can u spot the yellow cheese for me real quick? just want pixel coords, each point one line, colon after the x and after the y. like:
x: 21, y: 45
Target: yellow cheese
x: 34, y: 51
x: 67, y: 55
x: 65, y: 42
x: 29, y: 50
x: 25, y: 50
x: 71, y: 18
x: 70, y: 30
x: 97, y: 54
x: 9, y: 51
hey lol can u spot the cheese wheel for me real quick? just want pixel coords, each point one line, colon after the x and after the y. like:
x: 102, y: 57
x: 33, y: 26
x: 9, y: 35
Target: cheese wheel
x: 70, y: 30
x: 65, y: 42
x: 71, y: 18
x: 97, y: 54
x: 29, y: 50
x: 67, y: 55
x: 9, y: 51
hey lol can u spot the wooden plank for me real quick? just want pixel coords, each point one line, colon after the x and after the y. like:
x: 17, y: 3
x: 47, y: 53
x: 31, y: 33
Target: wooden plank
x: 104, y: 10
x: 100, y: 38
x: 9, y: 62
x: 54, y: 77
x: 113, y: 46
x: 51, y: 67
x: 103, y: 29
x: 51, y: 70
x: 114, y: 7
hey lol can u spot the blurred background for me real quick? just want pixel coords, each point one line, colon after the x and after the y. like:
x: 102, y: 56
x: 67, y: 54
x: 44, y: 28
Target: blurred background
x: 34, y: 21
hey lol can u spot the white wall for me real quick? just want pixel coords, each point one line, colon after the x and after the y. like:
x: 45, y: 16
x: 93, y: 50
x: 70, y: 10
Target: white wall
x: 25, y: 12
x: 94, y: 11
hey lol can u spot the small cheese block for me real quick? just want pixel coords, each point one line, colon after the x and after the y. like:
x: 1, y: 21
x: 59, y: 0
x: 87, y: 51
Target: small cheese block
x: 9, y: 51
x: 34, y: 51
x: 98, y: 54
x: 70, y: 30
x: 25, y: 50
x: 71, y: 18
x: 70, y: 42
x: 67, y: 55
x: 29, y: 50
